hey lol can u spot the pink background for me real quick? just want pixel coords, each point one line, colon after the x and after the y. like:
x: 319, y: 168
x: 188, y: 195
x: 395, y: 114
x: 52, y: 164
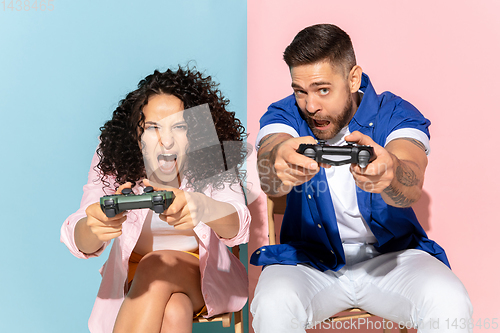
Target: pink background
x: 443, y: 57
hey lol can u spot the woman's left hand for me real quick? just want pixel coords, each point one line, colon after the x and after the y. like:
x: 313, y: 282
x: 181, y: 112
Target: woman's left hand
x: 187, y: 209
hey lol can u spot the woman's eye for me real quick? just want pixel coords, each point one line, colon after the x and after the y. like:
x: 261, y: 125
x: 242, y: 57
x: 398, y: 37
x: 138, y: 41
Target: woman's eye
x: 182, y: 127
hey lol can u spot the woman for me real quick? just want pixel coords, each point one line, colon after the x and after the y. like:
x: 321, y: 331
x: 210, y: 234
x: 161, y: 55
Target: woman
x: 173, y: 133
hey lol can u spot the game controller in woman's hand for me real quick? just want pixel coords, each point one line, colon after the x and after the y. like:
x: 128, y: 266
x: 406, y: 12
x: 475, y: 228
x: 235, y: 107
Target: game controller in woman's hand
x: 158, y: 201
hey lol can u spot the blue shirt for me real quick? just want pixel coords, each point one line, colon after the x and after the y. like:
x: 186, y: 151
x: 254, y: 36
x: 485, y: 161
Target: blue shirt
x: 309, y: 232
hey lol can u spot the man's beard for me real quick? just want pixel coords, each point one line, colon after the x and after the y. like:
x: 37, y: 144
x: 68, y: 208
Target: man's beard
x: 339, y: 122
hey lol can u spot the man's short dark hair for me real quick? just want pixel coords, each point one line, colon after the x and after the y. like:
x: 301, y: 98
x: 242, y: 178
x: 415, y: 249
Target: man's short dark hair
x: 319, y: 43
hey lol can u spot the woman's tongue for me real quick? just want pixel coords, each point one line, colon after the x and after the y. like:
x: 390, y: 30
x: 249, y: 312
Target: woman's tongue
x: 167, y: 165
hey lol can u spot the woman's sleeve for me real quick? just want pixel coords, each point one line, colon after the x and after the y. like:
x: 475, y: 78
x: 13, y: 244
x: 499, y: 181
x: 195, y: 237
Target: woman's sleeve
x: 92, y: 192
x: 233, y: 194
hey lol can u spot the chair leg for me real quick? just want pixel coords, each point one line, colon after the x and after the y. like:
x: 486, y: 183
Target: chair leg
x: 238, y: 322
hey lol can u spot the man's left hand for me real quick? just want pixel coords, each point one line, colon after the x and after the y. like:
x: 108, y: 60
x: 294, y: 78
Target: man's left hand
x: 379, y: 173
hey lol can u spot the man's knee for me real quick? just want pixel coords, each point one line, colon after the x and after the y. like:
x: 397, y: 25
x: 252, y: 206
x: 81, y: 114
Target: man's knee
x: 446, y: 298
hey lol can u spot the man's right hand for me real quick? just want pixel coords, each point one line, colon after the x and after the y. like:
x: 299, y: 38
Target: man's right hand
x: 93, y: 231
x: 281, y: 167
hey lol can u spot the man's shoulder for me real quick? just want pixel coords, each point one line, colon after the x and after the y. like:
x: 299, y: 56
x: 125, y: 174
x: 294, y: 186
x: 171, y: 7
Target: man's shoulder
x: 286, y: 104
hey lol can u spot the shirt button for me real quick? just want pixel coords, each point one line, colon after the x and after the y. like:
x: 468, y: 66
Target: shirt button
x: 309, y: 196
x: 258, y: 252
x: 204, y: 236
x: 370, y: 124
x: 319, y: 226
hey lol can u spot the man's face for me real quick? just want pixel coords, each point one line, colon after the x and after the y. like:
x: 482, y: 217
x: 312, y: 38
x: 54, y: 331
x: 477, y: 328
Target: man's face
x: 164, y: 141
x: 323, y: 95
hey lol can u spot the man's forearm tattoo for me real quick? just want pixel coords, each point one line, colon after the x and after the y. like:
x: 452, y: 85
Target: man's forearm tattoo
x: 406, y: 176
x: 398, y: 197
x: 266, y: 141
x: 416, y: 143
x: 270, y: 182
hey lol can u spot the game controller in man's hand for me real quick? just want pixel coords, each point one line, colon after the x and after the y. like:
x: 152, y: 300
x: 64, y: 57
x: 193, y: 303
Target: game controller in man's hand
x: 338, y: 155
x: 158, y: 201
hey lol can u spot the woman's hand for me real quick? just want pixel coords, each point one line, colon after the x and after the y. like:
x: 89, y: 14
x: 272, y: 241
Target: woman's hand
x: 190, y: 208
x: 187, y: 209
x: 94, y: 230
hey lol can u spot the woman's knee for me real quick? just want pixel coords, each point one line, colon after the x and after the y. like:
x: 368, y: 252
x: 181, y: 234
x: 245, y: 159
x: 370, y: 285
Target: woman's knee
x: 179, y: 308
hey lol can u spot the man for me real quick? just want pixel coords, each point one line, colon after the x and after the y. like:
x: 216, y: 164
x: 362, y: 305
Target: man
x: 349, y: 237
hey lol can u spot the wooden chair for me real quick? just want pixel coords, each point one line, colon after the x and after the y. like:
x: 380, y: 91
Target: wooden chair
x: 277, y: 205
x: 225, y: 318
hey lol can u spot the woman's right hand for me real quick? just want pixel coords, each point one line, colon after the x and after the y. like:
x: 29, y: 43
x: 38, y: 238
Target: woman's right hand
x: 103, y: 227
x: 94, y: 230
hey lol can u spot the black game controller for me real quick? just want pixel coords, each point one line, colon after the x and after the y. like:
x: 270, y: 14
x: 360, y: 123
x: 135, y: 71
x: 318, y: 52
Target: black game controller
x: 338, y: 155
x: 157, y: 201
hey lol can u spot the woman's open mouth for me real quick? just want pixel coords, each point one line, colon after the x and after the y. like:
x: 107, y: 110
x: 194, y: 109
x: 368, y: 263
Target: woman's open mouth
x: 167, y: 162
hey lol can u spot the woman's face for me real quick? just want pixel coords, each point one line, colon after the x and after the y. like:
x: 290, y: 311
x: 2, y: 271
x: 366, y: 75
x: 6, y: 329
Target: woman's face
x: 164, y: 141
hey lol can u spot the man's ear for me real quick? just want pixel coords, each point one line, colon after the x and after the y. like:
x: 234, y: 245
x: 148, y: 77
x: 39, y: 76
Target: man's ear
x: 355, y: 78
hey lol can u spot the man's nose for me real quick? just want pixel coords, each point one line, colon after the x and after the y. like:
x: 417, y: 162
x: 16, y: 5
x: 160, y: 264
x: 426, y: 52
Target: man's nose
x: 312, y: 105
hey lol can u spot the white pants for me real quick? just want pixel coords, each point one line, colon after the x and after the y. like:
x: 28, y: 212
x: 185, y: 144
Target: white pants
x: 408, y: 287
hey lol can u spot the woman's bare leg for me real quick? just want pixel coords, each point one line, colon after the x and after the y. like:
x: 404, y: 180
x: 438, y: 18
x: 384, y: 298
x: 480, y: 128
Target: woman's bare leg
x: 178, y: 316
x: 159, y: 275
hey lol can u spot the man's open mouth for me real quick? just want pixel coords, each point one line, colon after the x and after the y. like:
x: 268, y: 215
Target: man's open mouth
x: 167, y: 162
x: 320, y: 123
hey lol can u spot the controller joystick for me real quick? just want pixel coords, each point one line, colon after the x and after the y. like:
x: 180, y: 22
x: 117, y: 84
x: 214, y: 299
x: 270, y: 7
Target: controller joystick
x: 126, y: 191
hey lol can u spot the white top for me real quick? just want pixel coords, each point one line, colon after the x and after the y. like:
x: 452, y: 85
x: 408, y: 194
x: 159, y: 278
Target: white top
x: 352, y: 226
x: 159, y: 235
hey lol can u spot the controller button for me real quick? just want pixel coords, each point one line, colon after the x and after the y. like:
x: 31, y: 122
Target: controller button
x: 310, y: 152
x: 126, y: 191
x: 363, y: 158
x: 149, y: 189
x: 108, y: 202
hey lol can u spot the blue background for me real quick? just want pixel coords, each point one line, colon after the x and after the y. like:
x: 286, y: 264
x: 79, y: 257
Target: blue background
x: 62, y: 73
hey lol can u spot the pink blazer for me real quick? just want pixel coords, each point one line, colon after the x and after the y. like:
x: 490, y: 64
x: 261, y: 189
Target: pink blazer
x: 224, y: 280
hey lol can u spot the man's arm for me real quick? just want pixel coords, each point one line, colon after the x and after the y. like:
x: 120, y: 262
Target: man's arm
x: 397, y: 173
x: 410, y: 162
x: 280, y: 166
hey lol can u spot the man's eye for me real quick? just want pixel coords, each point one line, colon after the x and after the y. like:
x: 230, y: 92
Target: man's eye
x: 299, y: 92
x: 324, y: 91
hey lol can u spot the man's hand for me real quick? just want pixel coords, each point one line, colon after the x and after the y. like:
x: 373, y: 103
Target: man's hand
x: 397, y: 171
x: 281, y: 167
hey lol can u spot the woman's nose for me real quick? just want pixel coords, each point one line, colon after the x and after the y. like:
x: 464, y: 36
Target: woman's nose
x: 166, y: 138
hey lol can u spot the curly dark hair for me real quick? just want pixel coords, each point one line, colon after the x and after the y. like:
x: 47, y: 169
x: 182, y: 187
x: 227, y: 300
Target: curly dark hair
x: 121, y: 156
